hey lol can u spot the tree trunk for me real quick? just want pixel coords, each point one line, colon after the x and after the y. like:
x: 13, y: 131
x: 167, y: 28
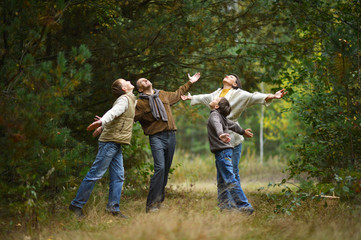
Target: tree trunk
x: 261, y: 130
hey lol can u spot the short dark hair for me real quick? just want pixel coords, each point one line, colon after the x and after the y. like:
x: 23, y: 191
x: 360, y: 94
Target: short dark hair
x: 224, y: 108
x: 238, y: 81
x: 117, y: 90
x: 137, y: 86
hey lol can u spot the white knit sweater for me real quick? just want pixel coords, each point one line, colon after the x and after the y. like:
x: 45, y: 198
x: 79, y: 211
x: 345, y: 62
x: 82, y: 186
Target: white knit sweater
x: 239, y: 101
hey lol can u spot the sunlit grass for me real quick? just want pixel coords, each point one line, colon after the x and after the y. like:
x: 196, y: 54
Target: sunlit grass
x: 195, y: 170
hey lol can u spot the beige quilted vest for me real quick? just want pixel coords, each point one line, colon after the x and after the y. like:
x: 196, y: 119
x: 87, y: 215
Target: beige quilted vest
x: 120, y: 129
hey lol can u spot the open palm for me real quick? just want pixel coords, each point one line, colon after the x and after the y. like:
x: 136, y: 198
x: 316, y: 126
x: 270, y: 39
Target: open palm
x: 195, y: 77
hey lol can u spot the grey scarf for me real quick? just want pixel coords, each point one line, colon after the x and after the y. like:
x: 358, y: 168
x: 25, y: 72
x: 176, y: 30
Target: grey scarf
x: 154, y: 102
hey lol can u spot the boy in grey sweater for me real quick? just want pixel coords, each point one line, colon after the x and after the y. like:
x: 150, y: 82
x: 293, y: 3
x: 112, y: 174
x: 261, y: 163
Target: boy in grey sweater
x: 230, y: 193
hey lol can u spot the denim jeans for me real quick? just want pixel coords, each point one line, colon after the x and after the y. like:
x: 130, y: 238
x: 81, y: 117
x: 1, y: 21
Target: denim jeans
x: 162, y: 145
x: 109, y: 156
x: 236, y: 156
x: 230, y: 193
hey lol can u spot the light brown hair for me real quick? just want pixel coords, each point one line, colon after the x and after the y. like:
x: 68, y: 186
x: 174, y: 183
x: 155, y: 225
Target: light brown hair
x: 117, y: 90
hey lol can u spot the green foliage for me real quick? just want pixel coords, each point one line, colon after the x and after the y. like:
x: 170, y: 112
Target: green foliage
x: 136, y: 160
x: 191, y: 128
x: 39, y: 155
x: 324, y: 75
x: 59, y: 58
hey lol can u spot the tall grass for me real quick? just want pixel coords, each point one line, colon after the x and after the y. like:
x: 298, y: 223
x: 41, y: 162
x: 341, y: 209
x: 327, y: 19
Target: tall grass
x: 193, y: 215
x: 191, y: 212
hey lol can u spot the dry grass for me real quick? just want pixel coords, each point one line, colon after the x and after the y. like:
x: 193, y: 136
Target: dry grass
x: 197, y: 170
x: 191, y: 213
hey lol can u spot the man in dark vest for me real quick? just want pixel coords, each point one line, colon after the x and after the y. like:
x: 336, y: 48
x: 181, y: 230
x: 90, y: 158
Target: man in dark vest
x: 153, y: 111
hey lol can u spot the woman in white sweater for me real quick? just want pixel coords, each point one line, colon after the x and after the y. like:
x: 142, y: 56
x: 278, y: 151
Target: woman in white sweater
x: 239, y: 100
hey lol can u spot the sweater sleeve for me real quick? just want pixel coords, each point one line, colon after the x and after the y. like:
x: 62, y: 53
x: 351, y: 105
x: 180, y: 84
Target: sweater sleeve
x: 174, y: 97
x: 235, y: 127
x: 254, y: 98
x: 204, y: 99
x: 120, y: 106
x: 215, y: 122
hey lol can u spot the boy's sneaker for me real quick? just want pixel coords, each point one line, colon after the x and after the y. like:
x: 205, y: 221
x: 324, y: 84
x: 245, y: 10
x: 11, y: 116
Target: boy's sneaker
x: 76, y: 210
x: 115, y: 213
x: 119, y: 215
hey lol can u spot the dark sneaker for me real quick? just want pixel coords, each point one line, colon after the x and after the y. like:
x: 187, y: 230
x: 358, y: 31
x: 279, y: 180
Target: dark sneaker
x: 119, y: 215
x: 76, y: 210
x: 116, y: 214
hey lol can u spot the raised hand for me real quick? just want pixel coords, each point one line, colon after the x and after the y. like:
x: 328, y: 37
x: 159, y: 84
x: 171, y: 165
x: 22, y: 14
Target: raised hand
x: 188, y: 97
x: 225, y: 137
x: 195, y: 77
x: 248, y: 133
x: 279, y: 94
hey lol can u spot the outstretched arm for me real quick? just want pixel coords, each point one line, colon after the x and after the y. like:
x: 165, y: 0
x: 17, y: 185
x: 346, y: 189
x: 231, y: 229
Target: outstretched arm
x: 203, y: 99
x: 119, y: 107
x: 238, y: 129
x: 235, y: 127
x: 278, y: 95
x: 174, y: 97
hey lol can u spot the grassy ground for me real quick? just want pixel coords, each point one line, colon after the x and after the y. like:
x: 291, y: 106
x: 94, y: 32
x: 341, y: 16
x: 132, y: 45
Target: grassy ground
x: 190, y: 212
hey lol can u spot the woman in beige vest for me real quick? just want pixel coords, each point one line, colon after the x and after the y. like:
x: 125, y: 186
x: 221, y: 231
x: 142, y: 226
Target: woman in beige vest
x: 117, y: 126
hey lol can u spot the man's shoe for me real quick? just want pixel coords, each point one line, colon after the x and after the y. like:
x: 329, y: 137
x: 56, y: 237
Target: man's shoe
x: 76, y: 210
x: 152, y: 209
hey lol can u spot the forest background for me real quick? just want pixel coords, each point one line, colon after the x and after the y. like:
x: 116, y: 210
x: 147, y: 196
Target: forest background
x: 59, y: 58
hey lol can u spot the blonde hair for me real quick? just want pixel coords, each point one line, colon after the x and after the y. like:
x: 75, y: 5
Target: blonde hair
x: 117, y: 90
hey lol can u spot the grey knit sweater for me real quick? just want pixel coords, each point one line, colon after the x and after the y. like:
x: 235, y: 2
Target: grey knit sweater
x: 239, y: 99
x: 217, y: 125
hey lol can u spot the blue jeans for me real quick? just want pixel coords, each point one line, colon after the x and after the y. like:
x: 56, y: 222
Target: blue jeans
x: 236, y: 156
x: 109, y: 156
x: 230, y: 193
x: 162, y: 145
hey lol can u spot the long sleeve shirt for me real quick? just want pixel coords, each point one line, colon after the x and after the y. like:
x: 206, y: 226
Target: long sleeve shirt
x: 218, y: 124
x: 239, y: 101
x: 119, y: 107
x: 143, y: 113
